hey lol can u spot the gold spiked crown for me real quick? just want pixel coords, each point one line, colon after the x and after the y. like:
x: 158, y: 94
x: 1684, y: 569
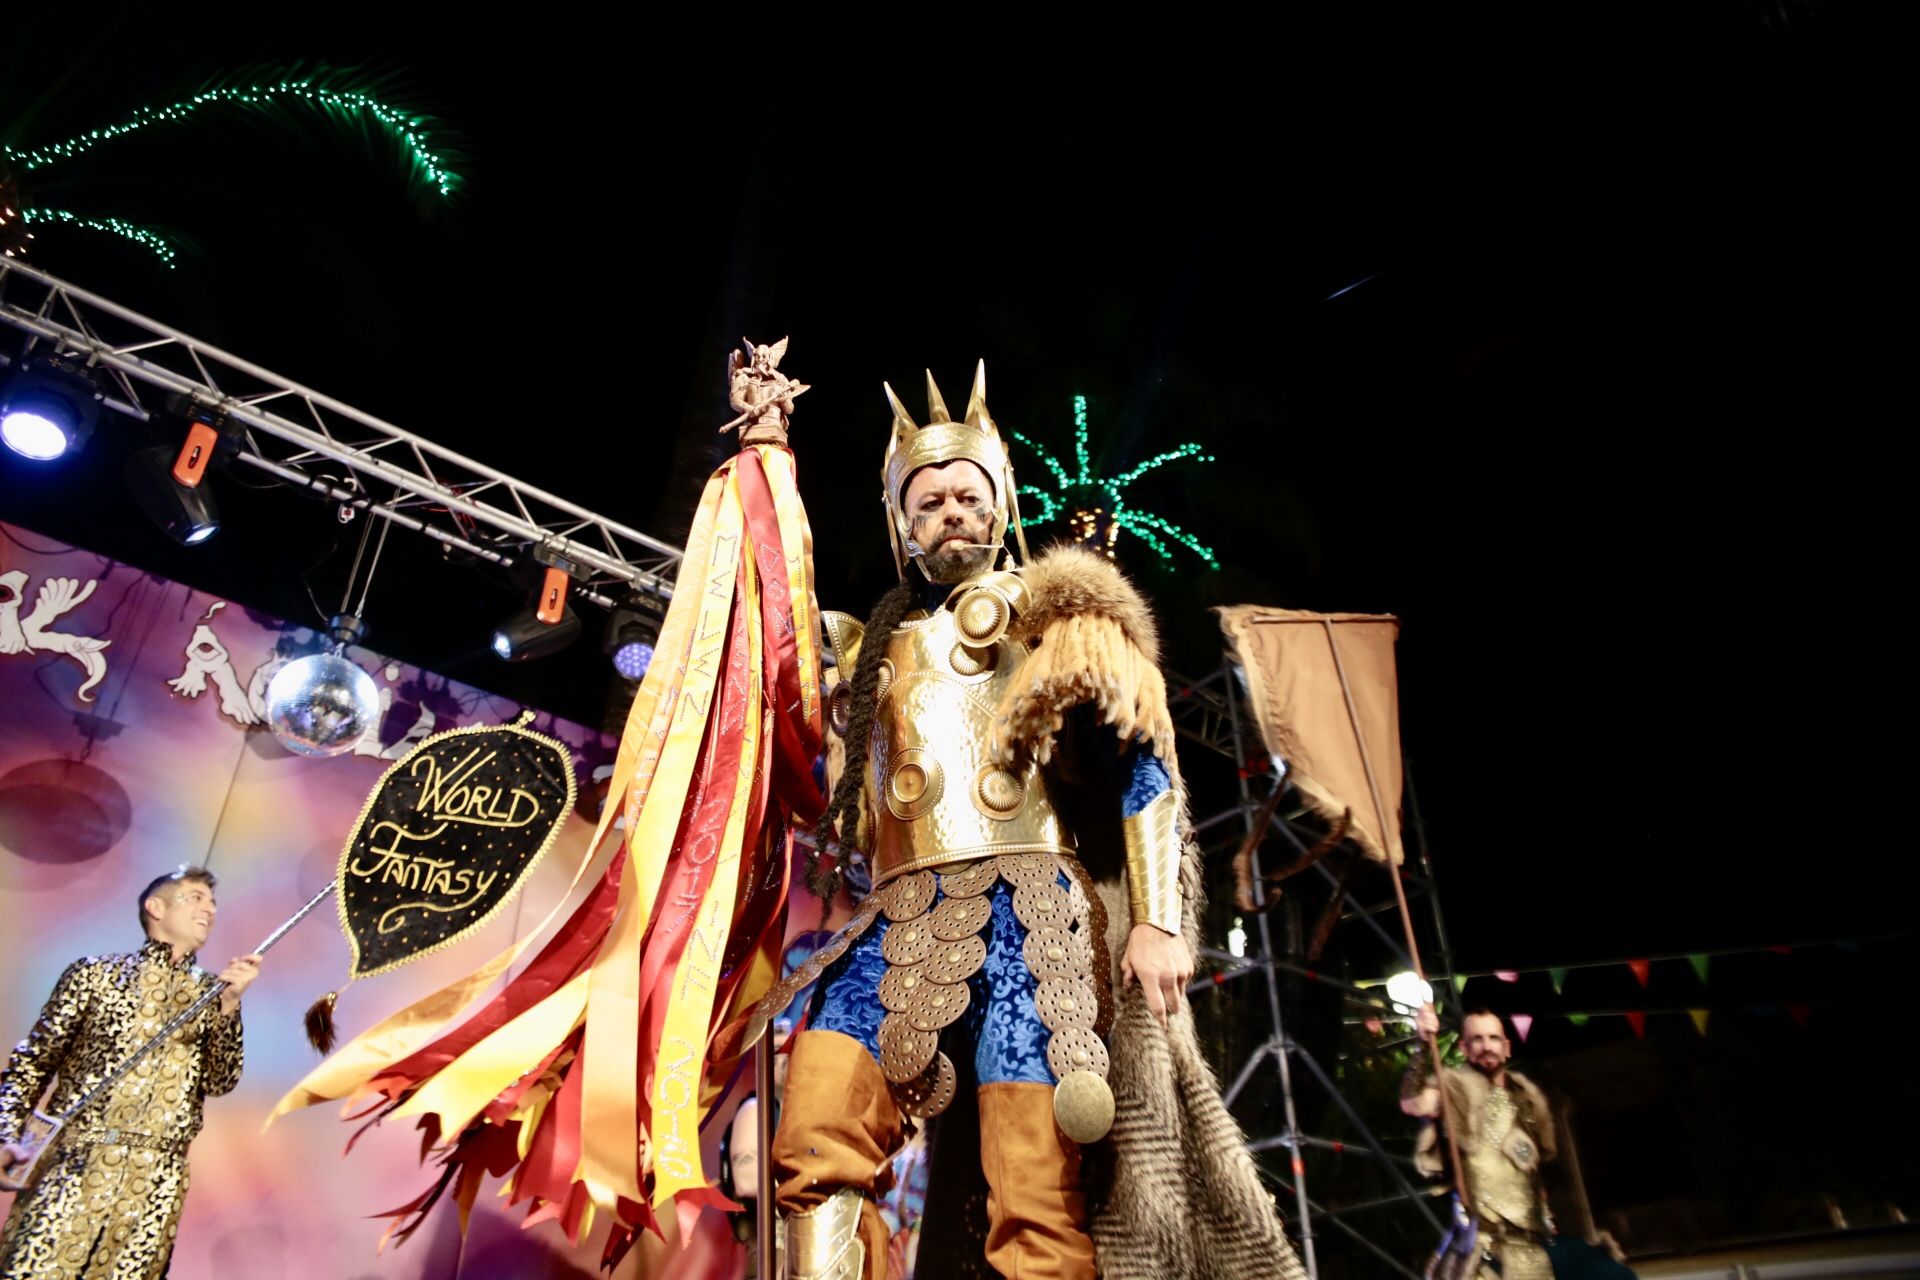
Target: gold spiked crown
x: 942, y: 440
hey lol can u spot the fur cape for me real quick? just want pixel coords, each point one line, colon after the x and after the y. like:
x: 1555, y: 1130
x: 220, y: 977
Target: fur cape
x: 1172, y: 1190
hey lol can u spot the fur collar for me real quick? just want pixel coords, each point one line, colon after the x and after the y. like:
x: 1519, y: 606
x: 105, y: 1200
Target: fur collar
x: 1068, y: 581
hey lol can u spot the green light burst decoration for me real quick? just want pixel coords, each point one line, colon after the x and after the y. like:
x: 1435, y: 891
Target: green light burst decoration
x: 1149, y: 528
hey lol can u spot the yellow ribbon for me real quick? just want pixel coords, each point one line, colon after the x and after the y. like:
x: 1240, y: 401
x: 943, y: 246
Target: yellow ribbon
x: 609, y: 1158
x: 460, y: 1090
x: 681, y: 1061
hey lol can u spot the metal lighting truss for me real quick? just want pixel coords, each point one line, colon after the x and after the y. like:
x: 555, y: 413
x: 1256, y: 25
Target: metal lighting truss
x: 291, y: 432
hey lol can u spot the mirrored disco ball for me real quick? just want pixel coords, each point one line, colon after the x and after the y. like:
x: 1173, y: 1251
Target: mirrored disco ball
x: 320, y: 705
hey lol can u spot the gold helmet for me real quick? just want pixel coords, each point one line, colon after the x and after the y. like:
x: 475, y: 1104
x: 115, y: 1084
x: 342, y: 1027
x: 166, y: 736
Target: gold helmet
x: 942, y: 440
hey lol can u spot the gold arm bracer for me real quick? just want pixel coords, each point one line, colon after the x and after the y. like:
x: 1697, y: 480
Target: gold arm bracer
x: 1153, y: 862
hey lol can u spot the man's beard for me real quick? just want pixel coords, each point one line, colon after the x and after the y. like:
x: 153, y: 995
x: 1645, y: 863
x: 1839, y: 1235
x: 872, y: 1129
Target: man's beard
x: 958, y: 564
x: 1486, y: 1067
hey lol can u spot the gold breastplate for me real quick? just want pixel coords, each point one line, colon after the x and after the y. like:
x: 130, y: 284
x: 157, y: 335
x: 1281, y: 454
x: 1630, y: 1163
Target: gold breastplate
x: 935, y: 796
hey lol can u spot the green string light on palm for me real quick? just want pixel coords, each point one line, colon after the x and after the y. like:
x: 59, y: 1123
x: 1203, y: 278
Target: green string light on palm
x: 145, y: 237
x: 403, y: 127
x: 1151, y: 529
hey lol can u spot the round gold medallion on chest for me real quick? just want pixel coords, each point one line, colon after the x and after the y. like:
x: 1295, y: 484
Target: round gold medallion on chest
x: 968, y: 661
x: 999, y: 793
x: 914, y: 783
x: 981, y: 616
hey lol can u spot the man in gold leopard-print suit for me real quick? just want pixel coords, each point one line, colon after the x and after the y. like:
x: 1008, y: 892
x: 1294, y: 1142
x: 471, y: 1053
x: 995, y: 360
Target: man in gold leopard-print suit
x: 105, y: 1199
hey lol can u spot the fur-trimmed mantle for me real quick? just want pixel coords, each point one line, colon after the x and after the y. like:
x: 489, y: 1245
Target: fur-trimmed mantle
x: 1173, y: 1192
x: 1093, y: 641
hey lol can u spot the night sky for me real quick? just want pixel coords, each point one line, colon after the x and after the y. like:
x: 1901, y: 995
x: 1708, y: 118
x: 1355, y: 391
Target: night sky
x: 1554, y: 341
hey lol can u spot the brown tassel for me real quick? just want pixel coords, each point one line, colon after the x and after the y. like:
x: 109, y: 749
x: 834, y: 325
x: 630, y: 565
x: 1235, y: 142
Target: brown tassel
x: 320, y: 1032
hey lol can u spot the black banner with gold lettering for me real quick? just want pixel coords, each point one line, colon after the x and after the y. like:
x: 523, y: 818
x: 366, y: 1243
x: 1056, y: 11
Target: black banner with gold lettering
x: 447, y: 836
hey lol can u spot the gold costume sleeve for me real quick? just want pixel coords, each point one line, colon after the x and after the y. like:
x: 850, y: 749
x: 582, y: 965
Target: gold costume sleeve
x: 225, y: 1052
x: 37, y: 1058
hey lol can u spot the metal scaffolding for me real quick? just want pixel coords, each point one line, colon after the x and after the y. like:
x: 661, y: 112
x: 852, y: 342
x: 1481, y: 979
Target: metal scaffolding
x: 1207, y: 713
x: 289, y: 431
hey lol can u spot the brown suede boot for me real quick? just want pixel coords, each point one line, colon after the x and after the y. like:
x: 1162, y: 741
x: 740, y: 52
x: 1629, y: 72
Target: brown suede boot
x: 838, y: 1129
x: 1036, y: 1211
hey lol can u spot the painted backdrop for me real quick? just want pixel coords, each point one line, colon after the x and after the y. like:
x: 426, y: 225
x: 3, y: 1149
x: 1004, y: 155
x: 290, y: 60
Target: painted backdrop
x: 132, y: 739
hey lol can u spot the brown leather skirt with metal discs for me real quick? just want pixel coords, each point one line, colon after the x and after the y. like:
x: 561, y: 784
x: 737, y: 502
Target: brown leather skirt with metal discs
x: 940, y: 948
x: 933, y: 949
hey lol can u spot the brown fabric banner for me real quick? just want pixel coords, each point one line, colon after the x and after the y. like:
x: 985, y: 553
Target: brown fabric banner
x: 1295, y: 663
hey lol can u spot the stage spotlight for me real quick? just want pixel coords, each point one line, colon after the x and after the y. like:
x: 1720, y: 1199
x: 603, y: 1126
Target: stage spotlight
x: 185, y: 513
x: 526, y: 635
x: 631, y: 633
x: 547, y: 625
x: 48, y: 408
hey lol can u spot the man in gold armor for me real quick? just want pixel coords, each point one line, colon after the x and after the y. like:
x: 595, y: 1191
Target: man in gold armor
x: 1504, y: 1130
x: 105, y: 1199
x: 1003, y: 759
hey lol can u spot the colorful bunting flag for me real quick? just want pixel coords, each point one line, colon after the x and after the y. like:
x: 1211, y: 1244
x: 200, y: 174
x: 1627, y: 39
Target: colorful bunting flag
x: 1699, y: 1017
x: 1641, y: 969
x: 1799, y: 1013
x: 1523, y: 1023
x: 1507, y: 975
x: 1578, y: 1019
x: 1699, y: 964
x: 1559, y: 977
x: 1638, y: 1021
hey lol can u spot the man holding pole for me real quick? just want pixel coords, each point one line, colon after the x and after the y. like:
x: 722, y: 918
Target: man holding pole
x: 1503, y: 1131
x: 105, y: 1199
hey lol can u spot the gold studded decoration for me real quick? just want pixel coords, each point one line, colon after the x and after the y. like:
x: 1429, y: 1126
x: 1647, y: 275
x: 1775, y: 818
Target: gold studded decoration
x: 1038, y: 905
x: 958, y: 918
x: 904, y: 1052
x: 973, y: 879
x: 931, y: 1093
x: 909, y: 942
x: 1076, y: 1049
x: 1053, y: 952
x: 897, y: 986
x: 1065, y: 1004
x: 936, y: 1005
x: 956, y: 961
x: 909, y: 896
